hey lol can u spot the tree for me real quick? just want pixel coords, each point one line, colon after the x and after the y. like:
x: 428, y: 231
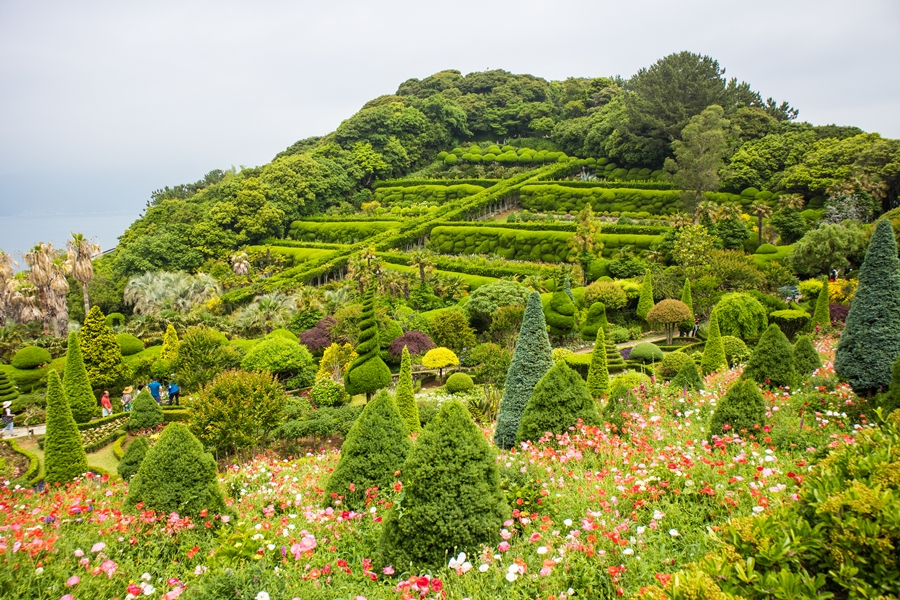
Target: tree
x: 772, y: 360
x: 367, y: 373
x: 280, y: 356
x: 829, y: 246
x: 870, y: 342
x: 145, y: 413
x: 76, y: 384
x: 423, y: 261
x: 240, y: 264
x: 891, y: 400
x: 789, y: 225
x: 450, y: 329
x: 81, y: 254
x: 334, y: 362
x: 585, y: 245
x: 693, y: 248
x: 484, y: 302
x: 169, y: 351
x: 416, y: 343
x: 822, y: 315
x: 177, y: 476
x: 101, y: 352
x: 714, y: 353
x: 742, y: 409
x: 532, y: 358
x: 598, y: 372
x: 669, y: 313
x: 445, y: 510
x: 440, y: 358
x: 560, y: 399
x: 561, y: 314
x: 133, y: 457
x: 741, y: 315
x: 406, y: 397
x: 202, y: 354
x: 761, y: 210
x: 806, y: 358
x: 64, y: 455
x: 645, y: 300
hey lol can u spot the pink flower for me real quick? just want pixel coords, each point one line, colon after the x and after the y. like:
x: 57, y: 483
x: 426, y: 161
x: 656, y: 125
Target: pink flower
x: 388, y: 570
x: 67, y: 597
x: 504, y: 546
x: 534, y: 537
x: 545, y: 571
x: 109, y: 567
x: 72, y: 581
x: 79, y: 553
x: 173, y: 593
x: 98, y: 547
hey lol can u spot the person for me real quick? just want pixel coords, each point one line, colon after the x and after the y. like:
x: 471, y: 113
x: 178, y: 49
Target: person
x: 174, y: 393
x: 126, y: 399
x: 696, y: 327
x: 105, y: 404
x: 155, y: 387
x: 7, y: 419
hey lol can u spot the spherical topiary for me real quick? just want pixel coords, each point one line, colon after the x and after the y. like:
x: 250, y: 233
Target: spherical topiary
x: 64, y: 455
x: 459, y: 382
x: 286, y: 334
x: 595, y: 320
x: 278, y: 355
x: 31, y: 357
x: 559, y: 399
x: 669, y: 313
x: 405, y: 396
x: 129, y: 344
x: 672, y: 363
x: 740, y: 410
x: 177, y: 476
x: 806, y: 358
x: 445, y: 510
x: 646, y: 352
x: 766, y: 249
x: 133, y: 457
x: 440, y: 359
x: 772, y: 361
x: 741, y: 315
x: 145, y: 413
x: 76, y: 384
x: 736, y: 351
x: 372, y: 452
x: 688, y: 377
x: 328, y: 392
x: 8, y: 390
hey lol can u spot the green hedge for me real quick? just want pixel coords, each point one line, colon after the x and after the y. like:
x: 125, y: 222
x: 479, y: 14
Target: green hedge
x: 558, y: 198
x: 481, y: 266
x: 635, y: 185
x: 117, y: 446
x: 295, y: 256
x: 339, y: 232
x: 170, y: 416
x: 474, y: 281
x: 429, y: 194
x: 397, y: 183
x: 34, y: 463
x: 568, y: 225
x: 103, y: 421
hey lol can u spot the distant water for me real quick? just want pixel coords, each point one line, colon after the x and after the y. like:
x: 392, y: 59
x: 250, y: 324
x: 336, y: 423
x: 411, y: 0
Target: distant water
x: 20, y: 233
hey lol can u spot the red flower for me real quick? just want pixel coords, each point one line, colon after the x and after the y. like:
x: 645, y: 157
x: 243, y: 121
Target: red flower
x: 437, y: 585
x: 422, y: 583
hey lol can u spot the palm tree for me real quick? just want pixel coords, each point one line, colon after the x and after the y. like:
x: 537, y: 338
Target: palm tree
x: 267, y: 312
x: 761, y: 210
x: 308, y: 299
x: 680, y: 220
x: 40, y: 261
x: 145, y: 292
x: 335, y: 299
x: 725, y: 212
x: 81, y: 254
x: 7, y: 270
x: 792, y: 201
x: 423, y: 260
x: 705, y: 208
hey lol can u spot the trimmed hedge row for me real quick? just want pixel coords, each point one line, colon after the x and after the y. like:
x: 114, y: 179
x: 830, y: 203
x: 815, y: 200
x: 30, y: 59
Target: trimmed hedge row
x: 429, y: 194
x: 569, y: 225
x: 295, y: 256
x: 635, y: 185
x: 172, y: 416
x: 296, y: 244
x: 481, y: 266
x: 102, y: 421
x: 558, y: 198
x: 339, y: 232
x: 397, y: 183
x: 34, y: 463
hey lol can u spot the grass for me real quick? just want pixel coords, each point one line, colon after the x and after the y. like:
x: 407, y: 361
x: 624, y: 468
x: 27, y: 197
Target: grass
x: 296, y: 256
x: 103, y: 458
x: 780, y: 254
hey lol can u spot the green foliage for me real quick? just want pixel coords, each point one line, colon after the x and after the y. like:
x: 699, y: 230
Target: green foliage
x: 559, y: 400
x: 742, y: 409
x: 129, y: 344
x: 440, y: 358
x: 280, y: 356
x: 145, y: 413
x: 170, y: 344
x: 594, y: 321
x: 829, y: 246
x: 532, y: 358
x: 115, y: 319
x: 736, y: 351
x: 346, y: 232
x: 890, y: 400
x: 368, y: 372
x: 64, y: 455
x: 806, y: 358
x: 714, y: 353
x: 772, y: 360
x: 370, y: 455
x: 405, y: 396
x: 101, y: 353
x: 445, y: 511
x: 688, y: 299
x: 31, y: 357
x: 672, y: 363
x: 766, y: 249
x: 669, y: 313
x: 688, y: 376
x: 202, y: 354
x: 328, y: 392
x: 561, y: 314
x: 790, y: 321
x: 76, y: 384
x: 8, y: 391
x: 459, y: 382
x: 133, y: 457
x: 484, y: 302
x: 608, y: 293
x: 450, y: 329
x: 741, y: 315
x: 822, y: 315
x: 177, y: 476
x: 645, y: 301
x: 646, y: 352
x: 552, y: 197
x: 870, y: 342
x: 286, y: 334
x: 789, y: 224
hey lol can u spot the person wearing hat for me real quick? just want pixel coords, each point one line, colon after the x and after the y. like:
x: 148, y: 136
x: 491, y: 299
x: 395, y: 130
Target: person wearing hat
x: 7, y: 418
x: 126, y: 399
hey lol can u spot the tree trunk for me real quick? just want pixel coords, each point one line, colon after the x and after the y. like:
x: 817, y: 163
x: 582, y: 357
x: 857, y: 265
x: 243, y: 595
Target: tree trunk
x: 759, y: 238
x: 87, y: 304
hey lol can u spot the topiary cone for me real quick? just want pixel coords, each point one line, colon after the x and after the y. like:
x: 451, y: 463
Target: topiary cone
x: 76, y: 384
x: 772, y: 360
x: 559, y: 399
x: 133, y: 457
x: 645, y: 300
x: 406, y: 397
x: 101, y: 353
x: 741, y: 410
x: 688, y: 377
x: 367, y: 373
x: 714, y: 353
x: 806, y: 358
x: 822, y: 314
x: 64, y: 455
x: 598, y: 372
x: 145, y: 413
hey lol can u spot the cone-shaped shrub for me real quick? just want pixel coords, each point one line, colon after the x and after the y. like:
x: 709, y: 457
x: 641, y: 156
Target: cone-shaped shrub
x: 531, y: 359
x: 740, y: 410
x: 133, y: 457
x: 375, y: 447
x: 76, y: 384
x: 891, y: 400
x: 64, y: 455
x: 368, y: 373
x: 806, y: 359
x: 645, y: 300
x: 714, y: 353
x: 772, y: 360
x: 598, y: 372
x: 177, y: 476
x: 145, y: 413
x: 561, y: 314
x: 406, y: 397
x: 595, y: 320
x: 688, y: 376
x: 559, y: 399
x: 822, y: 314
x: 870, y: 342
x: 452, y: 499
x: 101, y: 353
x: 688, y: 324
x: 169, y: 351
x: 8, y: 390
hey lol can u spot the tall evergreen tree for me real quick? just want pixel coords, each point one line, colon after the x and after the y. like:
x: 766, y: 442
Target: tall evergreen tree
x: 772, y: 360
x: 368, y: 373
x: 64, y: 455
x: 714, y: 353
x: 406, y: 397
x: 645, y: 301
x: 532, y: 358
x: 101, y: 353
x: 870, y: 342
x: 559, y: 399
x: 598, y: 372
x: 822, y: 314
x: 76, y: 384
x: 806, y: 359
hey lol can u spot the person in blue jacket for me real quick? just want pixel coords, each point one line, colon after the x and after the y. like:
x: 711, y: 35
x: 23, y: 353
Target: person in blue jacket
x: 174, y: 393
x: 155, y: 387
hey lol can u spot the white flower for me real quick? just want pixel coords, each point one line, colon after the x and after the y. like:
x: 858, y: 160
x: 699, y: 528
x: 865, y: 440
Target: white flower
x: 483, y: 568
x: 758, y: 509
x: 149, y: 590
x: 146, y: 577
x: 568, y: 522
x: 512, y: 576
x: 542, y: 550
x: 628, y: 551
x: 674, y: 532
x: 262, y: 596
x: 658, y: 515
x: 457, y: 563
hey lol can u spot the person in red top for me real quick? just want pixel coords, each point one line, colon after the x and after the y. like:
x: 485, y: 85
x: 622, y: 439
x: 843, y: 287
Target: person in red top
x: 105, y: 404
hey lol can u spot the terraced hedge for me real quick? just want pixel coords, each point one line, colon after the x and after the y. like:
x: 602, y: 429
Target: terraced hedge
x: 554, y: 197
x: 480, y: 266
x: 428, y: 194
x: 635, y: 185
x: 395, y: 183
x: 339, y: 232
x: 295, y: 256
x: 567, y: 225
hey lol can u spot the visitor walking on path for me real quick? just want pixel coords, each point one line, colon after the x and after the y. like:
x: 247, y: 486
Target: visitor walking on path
x: 126, y: 399
x: 155, y: 387
x: 105, y: 404
x: 7, y: 419
x: 174, y: 393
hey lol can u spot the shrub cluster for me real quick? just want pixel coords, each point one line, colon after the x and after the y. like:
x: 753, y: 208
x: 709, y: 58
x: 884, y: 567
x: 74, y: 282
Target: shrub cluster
x: 772, y: 361
x: 341, y: 232
x: 31, y: 357
x: 559, y: 400
x: 558, y: 198
x: 425, y: 194
x: 133, y: 457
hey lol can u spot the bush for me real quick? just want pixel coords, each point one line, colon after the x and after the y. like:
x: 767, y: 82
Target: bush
x: 177, y: 476
x: 714, y: 353
x: 324, y: 423
x: 821, y: 315
x: 129, y: 344
x: 645, y: 300
x: 450, y: 329
x: 280, y: 356
x: 8, y: 391
x: 672, y: 363
x: 741, y: 410
x: 201, y: 356
x: 445, y: 511
x: 64, y: 455
x: 328, y: 392
x: 416, y: 343
x: 560, y: 314
x: 669, y: 313
x: 368, y: 372
x: 741, y: 315
x: 559, y: 400
x: 237, y: 411
x: 552, y: 197
x: 115, y: 319
x: 772, y: 360
x: 561, y: 355
x: 838, y: 313
x: 145, y: 413
x: 487, y: 299
x: 169, y: 350
x: 646, y: 352
x: 375, y: 446
x: 286, y: 334
x: 767, y: 249
x: 608, y: 293
x: 594, y: 321
x: 791, y: 322
x: 101, y: 354
x: 133, y: 457
x: 688, y: 377
x: 76, y: 384
x: 736, y: 351
x: 806, y: 358
x: 31, y: 357
x: 598, y: 371
x: 459, y: 382
x: 405, y: 396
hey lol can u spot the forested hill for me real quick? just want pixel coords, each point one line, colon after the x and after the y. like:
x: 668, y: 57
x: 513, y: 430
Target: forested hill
x: 631, y: 124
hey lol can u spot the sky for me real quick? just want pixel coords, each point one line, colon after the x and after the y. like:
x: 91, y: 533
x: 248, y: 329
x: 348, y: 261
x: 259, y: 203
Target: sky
x: 103, y: 102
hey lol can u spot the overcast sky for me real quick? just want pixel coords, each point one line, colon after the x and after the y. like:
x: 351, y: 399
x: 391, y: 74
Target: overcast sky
x: 102, y: 102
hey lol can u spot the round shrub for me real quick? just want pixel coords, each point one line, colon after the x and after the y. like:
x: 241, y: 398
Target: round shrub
x: 766, y: 249
x: 115, y: 319
x: 440, y: 358
x: 286, y: 334
x: 279, y: 356
x: 450, y: 159
x: 736, y: 351
x: 459, y: 382
x: 328, y: 392
x: 630, y: 381
x: 129, y: 344
x: 133, y: 457
x: 609, y: 293
x: 742, y: 316
x: 145, y: 413
x: 31, y: 357
x: 672, y: 363
x: 646, y: 352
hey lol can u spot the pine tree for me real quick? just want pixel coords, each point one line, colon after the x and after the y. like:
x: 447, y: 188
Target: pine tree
x: 598, y: 372
x: 772, y: 360
x: 822, y: 314
x: 367, y: 373
x: 375, y: 447
x: 686, y: 297
x: 64, y: 454
x: 559, y: 399
x: 101, y: 353
x: 76, y: 384
x: 561, y: 314
x: 452, y: 500
x: 688, y: 377
x: 890, y: 400
x: 714, y: 353
x: 870, y: 342
x: 133, y: 457
x: 406, y: 397
x: 595, y: 320
x: 169, y: 351
x: 645, y: 301
x: 806, y: 359
x: 8, y: 390
x: 532, y: 358
x: 740, y: 410
x: 145, y: 413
